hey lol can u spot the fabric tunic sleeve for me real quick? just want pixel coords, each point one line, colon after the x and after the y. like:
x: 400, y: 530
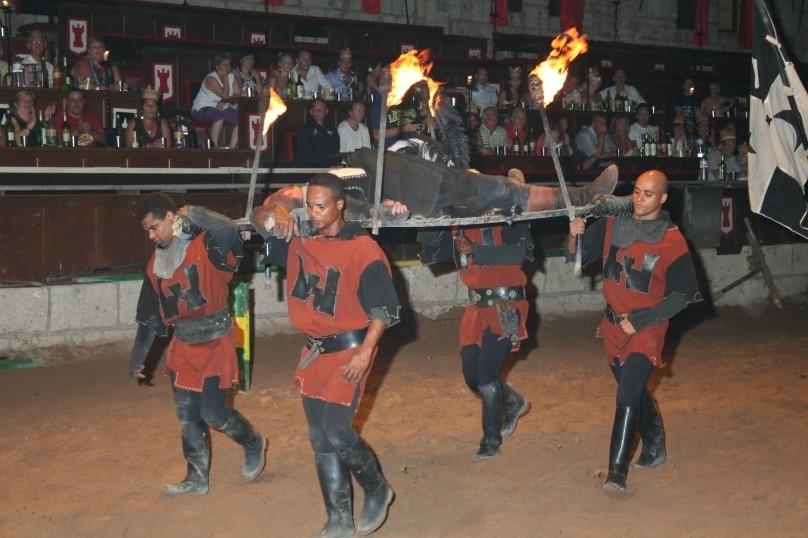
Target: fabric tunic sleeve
x: 378, y: 295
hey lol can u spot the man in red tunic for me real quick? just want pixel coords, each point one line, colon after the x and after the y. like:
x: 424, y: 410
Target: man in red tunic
x: 648, y: 277
x: 186, y: 286
x: 341, y: 297
x: 489, y: 261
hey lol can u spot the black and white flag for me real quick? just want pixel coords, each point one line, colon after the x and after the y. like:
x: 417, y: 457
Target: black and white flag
x: 778, y: 157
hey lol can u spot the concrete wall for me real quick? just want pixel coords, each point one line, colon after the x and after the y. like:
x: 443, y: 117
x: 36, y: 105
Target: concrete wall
x: 91, y: 313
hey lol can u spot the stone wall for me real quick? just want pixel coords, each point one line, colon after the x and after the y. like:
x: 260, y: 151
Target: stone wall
x: 31, y: 318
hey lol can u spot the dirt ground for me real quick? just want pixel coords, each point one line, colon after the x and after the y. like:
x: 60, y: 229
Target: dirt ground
x: 84, y: 448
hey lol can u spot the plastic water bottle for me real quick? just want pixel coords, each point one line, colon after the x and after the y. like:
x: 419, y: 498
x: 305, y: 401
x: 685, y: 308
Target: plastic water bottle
x: 704, y: 166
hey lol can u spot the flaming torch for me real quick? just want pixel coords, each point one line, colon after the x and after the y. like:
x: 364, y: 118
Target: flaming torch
x: 548, y: 78
x: 275, y: 108
x: 410, y: 68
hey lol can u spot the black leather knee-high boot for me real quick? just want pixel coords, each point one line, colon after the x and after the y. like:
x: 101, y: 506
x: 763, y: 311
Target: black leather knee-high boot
x: 623, y: 432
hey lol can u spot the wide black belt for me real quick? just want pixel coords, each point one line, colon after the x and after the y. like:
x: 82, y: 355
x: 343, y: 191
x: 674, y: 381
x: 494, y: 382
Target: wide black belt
x: 612, y: 316
x: 337, y: 342
x: 492, y: 296
x: 203, y: 328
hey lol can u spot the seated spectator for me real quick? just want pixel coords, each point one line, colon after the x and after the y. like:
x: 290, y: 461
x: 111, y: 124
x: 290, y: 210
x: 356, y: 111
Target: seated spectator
x: 680, y: 145
x: 151, y: 130
x: 686, y: 105
x: 743, y: 161
x: 371, y: 83
x: 483, y: 94
x: 317, y: 144
x: 490, y: 135
x: 714, y: 105
x: 561, y: 138
x: 249, y: 78
x: 342, y: 79
x: 593, y: 141
x: 619, y: 129
x: 517, y: 130
x: 571, y: 93
x: 91, y: 72
x: 210, y: 104
x: 621, y: 89
x: 353, y: 134
x: 24, y: 118
x: 704, y: 132
x: 84, y: 124
x: 641, y: 127
x: 590, y: 90
x: 472, y: 124
x: 311, y: 76
x: 281, y: 77
x: 725, y: 149
x: 37, y: 45
x: 403, y: 121
x: 513, y: 95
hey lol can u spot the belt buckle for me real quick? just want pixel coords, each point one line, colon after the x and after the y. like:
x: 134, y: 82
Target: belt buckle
x: 474, y: 297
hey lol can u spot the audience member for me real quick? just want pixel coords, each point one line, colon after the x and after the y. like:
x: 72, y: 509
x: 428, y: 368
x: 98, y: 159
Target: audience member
x: 402, y: 120
x: 83, y: 123
x: 641, y: 127
x: 714, y: 105
x: 472, y: 124
x: 353, y: 134
x: 490, y: 135
x: 593, y: 141
x: 725, y: 149
x: 517, y: 128
x: 92, y: 72
x: 623, y: 144
x: 686, y: 104
x: 150, y: 130
x: 342, y: 79
x: 483, y: 94
x: 680, y: 145
x: 743, y: 162
x: 705, y: 132
x: 560, y: 137
x: 590, y: 90
x: 248, y: 77
x: 621, y: 89
x: 311, y: 76
x: 317, y: 144
x: 571, y: 93
x: 37, y: 45
x: 211, y: 103
x: 3, y: 65
x: 24, y: 118
x: 513, y: 95
x: 282, y: 74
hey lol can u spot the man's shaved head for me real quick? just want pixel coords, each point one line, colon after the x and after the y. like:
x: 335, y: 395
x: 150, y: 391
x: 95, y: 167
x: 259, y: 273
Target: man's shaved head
x: 657, y: 177
x: 650, y: 192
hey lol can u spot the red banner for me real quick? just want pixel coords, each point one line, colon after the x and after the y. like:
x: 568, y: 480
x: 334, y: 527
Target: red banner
x: 572, y: 14
x: 371, y: 6
x: 701, y: 23
x: 499, y: 12
x: 745, y: 25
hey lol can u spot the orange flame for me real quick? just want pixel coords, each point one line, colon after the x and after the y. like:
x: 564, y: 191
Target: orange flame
x: 553, y: 71
x: 411, y: 68
x: 275, y: 108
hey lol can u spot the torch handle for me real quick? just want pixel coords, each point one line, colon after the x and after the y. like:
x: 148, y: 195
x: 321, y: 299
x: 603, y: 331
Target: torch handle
x: 259, y: 145
x: 377, y: 192
x: 548, y: 142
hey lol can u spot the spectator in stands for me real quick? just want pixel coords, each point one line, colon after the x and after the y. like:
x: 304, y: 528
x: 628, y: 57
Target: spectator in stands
x: 743, y: 162
x: 590, y: 90
x: 83, y: 123
x: 92, y: 72
x: 680, y: 145
x: 151, y: 130
x: 483, y: 94
x: 725, y: 149
x: 248, y: 77
x: 714, y: 105
x: 517, y: 128
x: 490, y: 135
x: 513, y: 95
x: 561, y: 138
x: 705, y: 132
x: 403, y: 121
x: 317, y: 144
x: 353, y: 134
x: 211, y: 105
x: 343, y: 79
x: 571, y: 93
x: 620, y: 89
x: 24, y: 118
x: 281, y: 75
x: 641, y: 128
x: 593, y: 141
x: 472, y: 124
x: 371, y: 83
x: 37, y: 45
x: 686, y: 104
x: 619, y: 129
x: 311, y: 76
x: 3, y: 65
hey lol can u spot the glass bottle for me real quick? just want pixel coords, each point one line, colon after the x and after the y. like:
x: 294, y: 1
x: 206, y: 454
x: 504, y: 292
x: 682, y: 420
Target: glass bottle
x: 722, y: 169
x: 68, y: 78
x: 65, y: 130
x: 290, y: 87
x: 43, y: 129
x: 11, y: 140
x: 300, y: 89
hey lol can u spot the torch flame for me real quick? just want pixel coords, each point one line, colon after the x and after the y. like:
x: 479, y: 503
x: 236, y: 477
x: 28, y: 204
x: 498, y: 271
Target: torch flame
x: 275, y: 108
x: 411, y: 68
x: 553, y: 71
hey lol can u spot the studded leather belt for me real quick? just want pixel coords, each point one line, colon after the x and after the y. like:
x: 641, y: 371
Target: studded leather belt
x: 492, y: 296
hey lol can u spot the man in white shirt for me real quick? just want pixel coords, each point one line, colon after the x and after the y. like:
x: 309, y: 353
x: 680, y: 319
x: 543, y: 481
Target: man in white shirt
x: 640, y: 128
x: 484, y: 95
x: 353, y: 134
x: 725, y: 149
x: 37, y: 44
x: 311, y: 76
x: 621, y: 88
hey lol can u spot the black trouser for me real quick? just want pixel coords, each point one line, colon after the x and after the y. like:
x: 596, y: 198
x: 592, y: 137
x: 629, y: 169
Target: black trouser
x: 631, y: 378
x: 483, y: 364
x: 330, y: 424
x: 208, y: 407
